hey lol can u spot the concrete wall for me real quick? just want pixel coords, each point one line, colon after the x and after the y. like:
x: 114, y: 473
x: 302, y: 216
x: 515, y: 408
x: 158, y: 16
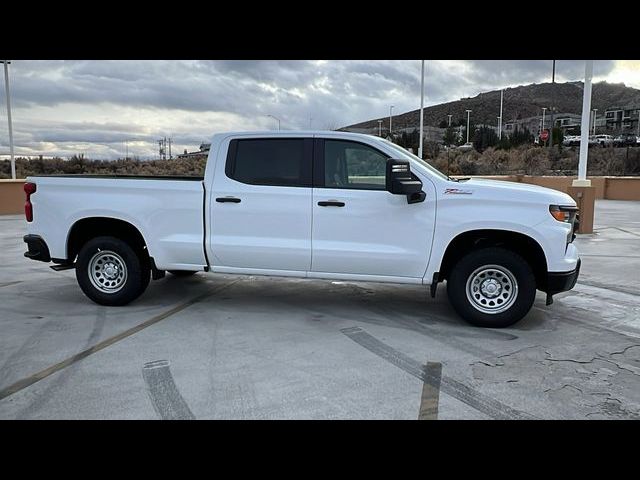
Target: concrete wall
x: 611, y: 188
x: 11, y: 196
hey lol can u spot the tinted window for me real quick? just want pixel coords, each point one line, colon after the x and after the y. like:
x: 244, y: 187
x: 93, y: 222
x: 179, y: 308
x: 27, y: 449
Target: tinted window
x: 353, y: 165
x: 277, y: 161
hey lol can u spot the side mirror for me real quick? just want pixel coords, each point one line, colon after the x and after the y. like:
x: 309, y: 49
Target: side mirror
x: 398, y: 178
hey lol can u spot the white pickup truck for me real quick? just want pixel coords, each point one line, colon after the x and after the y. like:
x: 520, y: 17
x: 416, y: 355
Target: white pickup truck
x: 327, y: 205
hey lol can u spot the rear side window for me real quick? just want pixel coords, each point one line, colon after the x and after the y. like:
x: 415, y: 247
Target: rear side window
x: 284, y: 162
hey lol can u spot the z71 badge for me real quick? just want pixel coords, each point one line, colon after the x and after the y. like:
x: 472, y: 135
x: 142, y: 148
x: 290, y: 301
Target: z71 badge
x: 457, y: 191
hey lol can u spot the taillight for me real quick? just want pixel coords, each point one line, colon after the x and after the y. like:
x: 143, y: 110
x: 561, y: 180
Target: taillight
x: 29, y: 189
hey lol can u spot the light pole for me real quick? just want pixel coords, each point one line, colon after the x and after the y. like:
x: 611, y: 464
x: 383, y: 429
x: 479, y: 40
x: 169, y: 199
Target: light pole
x: 553, y: 102
x: 6, y: 84
x: 544, y: 109
x: 380, y: 128
x: 421, y: 111
x: 275, y: 118
x: 584, y: 128
x: 468, y: 112
x: 449, y: 119
x: 500, y: 117
x: 595, y: 117
x: 390, y: 110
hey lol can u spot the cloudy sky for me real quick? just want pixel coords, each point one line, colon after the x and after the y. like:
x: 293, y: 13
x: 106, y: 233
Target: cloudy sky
x: 98, y: 107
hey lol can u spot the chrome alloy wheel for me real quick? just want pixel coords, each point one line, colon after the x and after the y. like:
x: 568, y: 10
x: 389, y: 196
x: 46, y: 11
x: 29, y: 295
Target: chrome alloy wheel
x: 107, y: 271
x: 492, y: 289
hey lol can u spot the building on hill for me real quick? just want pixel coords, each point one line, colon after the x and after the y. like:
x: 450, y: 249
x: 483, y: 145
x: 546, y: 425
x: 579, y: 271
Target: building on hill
x: 622, y: 119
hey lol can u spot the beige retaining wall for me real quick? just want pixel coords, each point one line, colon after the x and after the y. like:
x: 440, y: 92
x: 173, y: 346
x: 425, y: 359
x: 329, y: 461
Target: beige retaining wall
x: 11, y: 196
x: 610, y: 188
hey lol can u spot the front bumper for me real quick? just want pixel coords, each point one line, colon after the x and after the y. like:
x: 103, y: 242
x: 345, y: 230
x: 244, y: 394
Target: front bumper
x: 562, y: 281
x: 38, y: 249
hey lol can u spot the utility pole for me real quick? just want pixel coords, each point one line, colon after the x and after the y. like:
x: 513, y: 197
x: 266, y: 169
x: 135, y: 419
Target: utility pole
x: 390, y: 115
x: 449, y: 119
x: 595, y: 117
x: 421, y: 111
x: 468, y: 112
x: 553, y: 102
x: 6, y: 85
x: 544, y: 109
x: 500, y: 117
x: 380, y: 128
x: 277, y: 119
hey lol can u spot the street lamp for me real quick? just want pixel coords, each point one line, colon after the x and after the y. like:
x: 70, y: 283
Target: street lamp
x: 500, y: 117
x: 390, y: 110
x: 6, y: 84
x: 380, y: 128
x: 468, y: 112
x: 275, y: 118
x: 421, y: 111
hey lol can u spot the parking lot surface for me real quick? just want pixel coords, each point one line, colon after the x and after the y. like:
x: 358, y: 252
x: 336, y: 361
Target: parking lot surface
x: 231, y: 347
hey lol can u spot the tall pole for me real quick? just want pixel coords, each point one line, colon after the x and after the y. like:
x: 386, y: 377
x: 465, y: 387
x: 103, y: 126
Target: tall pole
x: 421, y: 111
x: 390, y: 110
x: 544, y: 109
x: 553, y: 101
x: 468, y: 112
x: 449, y: 119
x: 500, y: 117
x: 584, y: 128
x: 380, y: 128
x: 6, y: 85
x: 595, y: 117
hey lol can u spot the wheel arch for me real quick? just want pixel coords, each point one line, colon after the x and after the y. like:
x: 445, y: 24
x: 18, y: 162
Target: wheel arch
x: 87, y: 228
x: 520, y: 243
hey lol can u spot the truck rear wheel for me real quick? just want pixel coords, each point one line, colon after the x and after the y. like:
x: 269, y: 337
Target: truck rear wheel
x: 492, y: 287
x: 110, y: 272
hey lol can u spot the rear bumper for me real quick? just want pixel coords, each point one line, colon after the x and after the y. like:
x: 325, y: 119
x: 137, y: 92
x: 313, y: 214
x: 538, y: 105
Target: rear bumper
x: 562, y: 281
x: 38, y: 249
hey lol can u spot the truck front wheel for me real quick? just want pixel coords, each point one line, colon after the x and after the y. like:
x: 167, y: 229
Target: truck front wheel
x: 110, y: 272
x: 492, y: 287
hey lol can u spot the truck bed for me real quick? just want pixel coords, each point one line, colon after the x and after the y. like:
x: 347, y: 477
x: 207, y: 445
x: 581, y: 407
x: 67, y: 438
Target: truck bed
x: 169, y: 213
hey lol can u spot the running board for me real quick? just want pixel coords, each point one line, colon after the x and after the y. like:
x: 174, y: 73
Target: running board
x: 59, y: 268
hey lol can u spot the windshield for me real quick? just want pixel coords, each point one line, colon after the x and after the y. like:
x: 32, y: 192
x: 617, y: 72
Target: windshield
x: 405, y: 155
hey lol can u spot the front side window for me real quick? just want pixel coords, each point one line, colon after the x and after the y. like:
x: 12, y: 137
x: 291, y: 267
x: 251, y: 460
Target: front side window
x: 353, y: 165
x: 274, y: 161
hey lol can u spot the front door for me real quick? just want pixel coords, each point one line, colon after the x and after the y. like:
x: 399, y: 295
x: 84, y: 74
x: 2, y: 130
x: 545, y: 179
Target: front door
x: 359, y: 227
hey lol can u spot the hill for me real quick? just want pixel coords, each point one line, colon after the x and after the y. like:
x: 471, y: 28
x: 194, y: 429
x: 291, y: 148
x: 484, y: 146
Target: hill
x: 519, y: 102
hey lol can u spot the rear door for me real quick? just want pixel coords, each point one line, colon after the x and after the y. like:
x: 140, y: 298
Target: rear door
x: 261, y: 205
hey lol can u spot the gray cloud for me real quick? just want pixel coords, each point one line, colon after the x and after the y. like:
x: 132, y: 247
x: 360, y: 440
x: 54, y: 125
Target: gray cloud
x: 209, y: 93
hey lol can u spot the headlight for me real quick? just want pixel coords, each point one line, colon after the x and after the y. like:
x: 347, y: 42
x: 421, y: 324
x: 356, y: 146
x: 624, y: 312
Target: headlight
x: 566, y: 214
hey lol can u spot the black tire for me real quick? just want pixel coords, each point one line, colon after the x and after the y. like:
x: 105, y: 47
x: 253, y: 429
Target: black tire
x: 474, y: 262
x: 182, y: 273
x: 135, y: 278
